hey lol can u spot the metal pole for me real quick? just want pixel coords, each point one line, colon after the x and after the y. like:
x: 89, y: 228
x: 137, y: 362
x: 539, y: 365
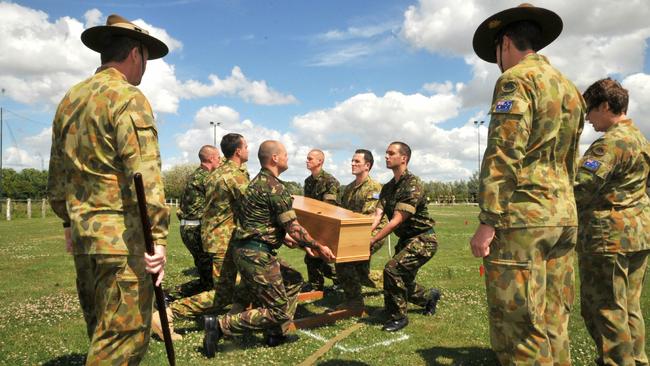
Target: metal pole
x: 1, y: 150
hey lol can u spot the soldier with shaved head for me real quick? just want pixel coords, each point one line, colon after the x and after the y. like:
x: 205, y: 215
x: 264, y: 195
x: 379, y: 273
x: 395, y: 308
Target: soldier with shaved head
x: 403, y: 202
x: 191, y: 209
x: 266, y: 221
x: 322, y: 186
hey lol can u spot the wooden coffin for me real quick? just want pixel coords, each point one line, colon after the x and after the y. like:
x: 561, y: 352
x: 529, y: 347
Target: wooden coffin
x: 345, y: 232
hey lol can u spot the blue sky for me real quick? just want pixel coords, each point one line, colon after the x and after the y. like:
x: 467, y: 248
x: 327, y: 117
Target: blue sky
x: 335, y: 75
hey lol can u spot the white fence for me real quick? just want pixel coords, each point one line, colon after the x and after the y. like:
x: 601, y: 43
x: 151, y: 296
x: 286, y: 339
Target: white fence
x: 28, y: 208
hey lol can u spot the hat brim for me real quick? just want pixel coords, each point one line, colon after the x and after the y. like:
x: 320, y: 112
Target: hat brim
x: 483, y: 42
x: 96, y: 38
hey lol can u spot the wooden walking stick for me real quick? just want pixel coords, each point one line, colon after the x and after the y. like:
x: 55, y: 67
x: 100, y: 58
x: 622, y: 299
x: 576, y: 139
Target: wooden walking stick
x: 160, y: 296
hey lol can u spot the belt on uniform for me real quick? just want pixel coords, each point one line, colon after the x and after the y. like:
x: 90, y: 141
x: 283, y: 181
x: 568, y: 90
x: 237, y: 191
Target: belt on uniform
x: 190, y: 222
x: 430, y: 231
x: 254, y: 245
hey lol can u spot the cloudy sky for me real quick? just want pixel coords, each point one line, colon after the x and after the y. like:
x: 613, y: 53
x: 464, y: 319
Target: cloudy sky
x: 335, y: 75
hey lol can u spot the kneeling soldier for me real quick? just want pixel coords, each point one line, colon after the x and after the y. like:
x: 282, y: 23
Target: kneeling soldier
x: 402, y: 200
x: 266, y: 219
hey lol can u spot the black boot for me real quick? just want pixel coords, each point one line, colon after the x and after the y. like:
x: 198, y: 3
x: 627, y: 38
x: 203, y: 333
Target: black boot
x: 274, y: 340
x: 212, y: 336
x: 394, y: 325
x: 430, y: 307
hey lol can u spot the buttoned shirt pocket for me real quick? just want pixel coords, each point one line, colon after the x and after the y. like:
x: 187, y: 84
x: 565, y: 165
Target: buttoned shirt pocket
x: 147, y: 135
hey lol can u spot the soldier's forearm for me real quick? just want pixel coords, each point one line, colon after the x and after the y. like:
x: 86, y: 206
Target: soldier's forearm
x: 300, y: 235
x: 397, y: 219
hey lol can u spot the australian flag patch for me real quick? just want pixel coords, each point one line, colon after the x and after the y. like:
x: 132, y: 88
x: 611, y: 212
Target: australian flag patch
x: 503, y: 106
x: 591, y: 164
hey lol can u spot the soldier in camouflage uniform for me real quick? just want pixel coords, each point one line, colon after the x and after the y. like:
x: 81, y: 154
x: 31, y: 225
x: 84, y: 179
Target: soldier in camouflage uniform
x: 361, y: 196
x: 102, y: 134
x: 528, y: 216
x: 614, y: 231
x: 322, y: 186
x: 403, y: 202
x: 265, y: 220
x: 191, y: 210
x: 225, y: 187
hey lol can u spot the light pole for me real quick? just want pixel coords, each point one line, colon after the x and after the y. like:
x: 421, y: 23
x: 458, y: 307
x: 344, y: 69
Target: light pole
x: 214, y: 126
x: 478, y: 140
x: 3, y: 93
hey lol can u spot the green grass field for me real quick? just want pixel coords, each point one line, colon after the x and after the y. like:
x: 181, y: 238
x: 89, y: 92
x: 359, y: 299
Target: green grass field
x: 41, y: 323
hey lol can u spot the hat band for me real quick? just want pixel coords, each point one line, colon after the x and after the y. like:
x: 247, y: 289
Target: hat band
x: 129, y: 26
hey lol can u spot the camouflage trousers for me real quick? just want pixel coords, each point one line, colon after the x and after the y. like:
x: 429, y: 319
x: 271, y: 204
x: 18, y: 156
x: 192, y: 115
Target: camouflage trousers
x: 317, y: 270
x: 530, y: 291
x: 224, y: 277
x: 116, y: 296
x: 191, y: 235
x: 400, y: 287
x: 610, y: 291
x: 352, y: 275
x: 86, y: 291
x: 275, y: 287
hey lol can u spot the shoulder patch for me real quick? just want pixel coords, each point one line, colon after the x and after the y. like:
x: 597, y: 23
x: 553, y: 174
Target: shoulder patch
x: 375, y: 195
x: 591, y: 164
x: 503, y: 106
x: 509, y: 87
x: 598, y: 151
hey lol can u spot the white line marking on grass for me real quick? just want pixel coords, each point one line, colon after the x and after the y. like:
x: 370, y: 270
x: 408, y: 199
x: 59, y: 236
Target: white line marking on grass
x: 387, y: 342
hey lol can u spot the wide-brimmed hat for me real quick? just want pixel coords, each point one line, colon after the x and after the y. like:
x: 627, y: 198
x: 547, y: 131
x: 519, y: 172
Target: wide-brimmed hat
x: 484, y: 37
x: 97, y: 38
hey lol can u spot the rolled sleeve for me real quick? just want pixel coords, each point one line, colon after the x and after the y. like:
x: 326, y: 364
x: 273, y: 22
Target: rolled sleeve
x: 287, y: 216
x: 405, y: 207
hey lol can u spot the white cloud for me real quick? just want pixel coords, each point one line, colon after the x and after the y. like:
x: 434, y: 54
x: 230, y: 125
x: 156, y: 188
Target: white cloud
x: 600, y: 38
x: 31, y: 152
x: 638, y: 85
x: 367, y: 31
x: 41, y: 60
x: 93, y: 18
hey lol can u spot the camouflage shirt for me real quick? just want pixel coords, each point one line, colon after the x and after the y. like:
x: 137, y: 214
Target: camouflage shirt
x: 225, y: 188
x: 362, y: 198
x: 265, y: 211
x: 323, y: 188
x: 406, y: 195
x: 530, y: 161
x: 610, y: 192
x: 102, y: 134
x: 193, y: 196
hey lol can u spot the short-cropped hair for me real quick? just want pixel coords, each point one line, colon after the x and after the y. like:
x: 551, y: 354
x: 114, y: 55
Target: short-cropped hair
x: 367, y: 156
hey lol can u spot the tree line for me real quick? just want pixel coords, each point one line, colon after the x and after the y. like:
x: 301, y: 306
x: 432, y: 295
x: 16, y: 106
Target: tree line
x: 27, y: 183
x: 32, y: 183
x: 444, y: 192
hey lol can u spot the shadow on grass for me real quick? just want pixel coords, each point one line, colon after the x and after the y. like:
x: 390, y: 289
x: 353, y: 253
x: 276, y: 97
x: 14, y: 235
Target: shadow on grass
x: 65, y: 360
x: 341, y: 362
x: 459, y: 356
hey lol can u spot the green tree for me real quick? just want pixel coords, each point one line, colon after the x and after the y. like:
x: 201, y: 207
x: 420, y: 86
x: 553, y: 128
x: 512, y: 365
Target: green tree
x: 175, y: 179
x: 28, y: 183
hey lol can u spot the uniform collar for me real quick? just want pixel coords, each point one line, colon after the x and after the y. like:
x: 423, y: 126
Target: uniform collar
x: 362, y: 182
x: 534, y: 58
x: 625, y: 122
x: 111, y: 72
x: 268, y: 173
